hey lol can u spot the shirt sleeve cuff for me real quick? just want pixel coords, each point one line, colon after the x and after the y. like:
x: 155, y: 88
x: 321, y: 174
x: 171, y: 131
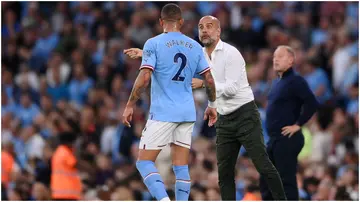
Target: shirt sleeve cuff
x: 147, y: 67
x: 205, y: 70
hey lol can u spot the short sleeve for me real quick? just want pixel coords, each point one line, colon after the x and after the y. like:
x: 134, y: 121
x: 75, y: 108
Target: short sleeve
x: 203, y: 65
x: 149, y: 55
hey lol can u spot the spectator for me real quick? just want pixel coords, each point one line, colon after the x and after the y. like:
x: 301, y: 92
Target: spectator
x: 245, y: 37
x: 34, y: 143
x: 353, y: 105
x: 138, y: 32
x: 59, y: 17
x: 10, y: 27
x: 122, y: 194
x: 68, y: 40
x: 79, y: 86
x: 43, y: 47
x: 40, y: 192
x: 6, y: 105
x: 252, y: 193
x: 104, y: 169
x: 27, y: 110
x: 58, y: 71
x: 341, y: 58
x: 27, y: 76
x: 320, y: 35
x: 317, y: 81
x: 10, y: 57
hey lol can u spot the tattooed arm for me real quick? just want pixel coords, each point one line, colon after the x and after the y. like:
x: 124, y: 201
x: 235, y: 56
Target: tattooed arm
x: 141, y: 83
x: 210, y: 86
x: 210, y: 112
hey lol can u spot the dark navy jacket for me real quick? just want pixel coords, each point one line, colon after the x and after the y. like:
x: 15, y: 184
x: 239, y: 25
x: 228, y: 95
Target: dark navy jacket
x: 290, y: 101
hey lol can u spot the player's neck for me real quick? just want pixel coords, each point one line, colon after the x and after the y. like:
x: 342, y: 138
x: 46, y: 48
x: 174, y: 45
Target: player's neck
x: 171, y: 28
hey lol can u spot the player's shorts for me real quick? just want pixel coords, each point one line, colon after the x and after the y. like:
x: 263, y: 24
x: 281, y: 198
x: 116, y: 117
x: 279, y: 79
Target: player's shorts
x: 158, y: 134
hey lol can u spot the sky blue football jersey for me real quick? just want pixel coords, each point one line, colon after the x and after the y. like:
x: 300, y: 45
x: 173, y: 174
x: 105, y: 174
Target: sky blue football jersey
x: 174, y: 59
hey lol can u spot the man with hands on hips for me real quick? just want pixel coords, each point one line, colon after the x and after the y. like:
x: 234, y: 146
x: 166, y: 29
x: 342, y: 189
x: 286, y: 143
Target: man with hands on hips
x: 291, y: 104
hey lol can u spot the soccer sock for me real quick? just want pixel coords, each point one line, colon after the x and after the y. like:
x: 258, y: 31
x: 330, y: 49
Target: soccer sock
x: 152, y: 179
x: 183, y: 184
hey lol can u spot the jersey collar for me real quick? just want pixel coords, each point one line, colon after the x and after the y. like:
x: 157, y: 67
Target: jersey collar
x: 288, y: 72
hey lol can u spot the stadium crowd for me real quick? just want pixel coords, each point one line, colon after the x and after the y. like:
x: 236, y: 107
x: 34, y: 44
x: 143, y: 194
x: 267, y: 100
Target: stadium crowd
x: 63, y: 68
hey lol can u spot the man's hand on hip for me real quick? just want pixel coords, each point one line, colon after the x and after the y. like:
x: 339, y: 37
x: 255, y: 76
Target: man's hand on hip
x: 290, y: 130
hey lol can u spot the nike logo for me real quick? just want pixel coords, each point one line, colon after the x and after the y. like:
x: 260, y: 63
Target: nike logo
x: 187, y: 192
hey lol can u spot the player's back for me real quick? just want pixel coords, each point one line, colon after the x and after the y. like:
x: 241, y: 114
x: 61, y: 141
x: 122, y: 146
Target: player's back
x: 175, y: 59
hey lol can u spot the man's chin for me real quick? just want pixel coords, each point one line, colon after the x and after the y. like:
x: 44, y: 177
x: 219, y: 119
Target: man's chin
x: 206, y: 43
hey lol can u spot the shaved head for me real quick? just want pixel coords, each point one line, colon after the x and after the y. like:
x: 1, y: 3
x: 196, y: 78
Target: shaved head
x: 211, y: 18
x: 171, y: 17
x: 209, y: 30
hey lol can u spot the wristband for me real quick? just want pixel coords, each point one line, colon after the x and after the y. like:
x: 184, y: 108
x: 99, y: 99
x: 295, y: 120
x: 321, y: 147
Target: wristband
x: 212, y: 104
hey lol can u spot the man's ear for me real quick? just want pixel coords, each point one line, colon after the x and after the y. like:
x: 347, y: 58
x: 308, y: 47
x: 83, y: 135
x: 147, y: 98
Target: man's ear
x: 292, y: 61
x: 181, y: 22
x: 161, y: 22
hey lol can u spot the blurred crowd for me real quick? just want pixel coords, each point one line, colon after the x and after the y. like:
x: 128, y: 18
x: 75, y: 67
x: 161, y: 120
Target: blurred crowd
x: 63, y: 68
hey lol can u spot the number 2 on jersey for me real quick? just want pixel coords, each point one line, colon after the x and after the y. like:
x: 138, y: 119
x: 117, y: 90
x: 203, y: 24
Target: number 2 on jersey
x: 177, y: 76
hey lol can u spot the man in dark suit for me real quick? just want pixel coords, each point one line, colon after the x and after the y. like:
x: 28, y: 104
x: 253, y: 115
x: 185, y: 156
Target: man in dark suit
x: 291, y: 104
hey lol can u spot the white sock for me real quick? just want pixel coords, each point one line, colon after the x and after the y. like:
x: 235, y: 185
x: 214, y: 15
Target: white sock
x: 165, y: 199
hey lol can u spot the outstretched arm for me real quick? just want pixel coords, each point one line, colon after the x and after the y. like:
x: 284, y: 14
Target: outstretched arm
x: 133, y: 53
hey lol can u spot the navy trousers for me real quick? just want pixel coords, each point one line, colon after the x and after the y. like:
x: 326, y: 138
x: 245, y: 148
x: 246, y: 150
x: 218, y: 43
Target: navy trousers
x: 283, y: 152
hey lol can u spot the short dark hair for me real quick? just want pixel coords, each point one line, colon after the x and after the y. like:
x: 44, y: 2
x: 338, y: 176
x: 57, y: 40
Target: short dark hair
x: 171, y: 12
x: 67, y: 137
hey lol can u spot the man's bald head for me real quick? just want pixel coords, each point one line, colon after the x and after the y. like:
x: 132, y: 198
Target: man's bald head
x: 209, y: 30
x: 212, y: 19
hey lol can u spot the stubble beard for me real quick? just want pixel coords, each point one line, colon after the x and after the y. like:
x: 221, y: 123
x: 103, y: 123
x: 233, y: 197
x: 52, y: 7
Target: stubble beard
x: 208, y: 42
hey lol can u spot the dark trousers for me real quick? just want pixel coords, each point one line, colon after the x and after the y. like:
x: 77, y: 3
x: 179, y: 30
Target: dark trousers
x: 283, y: 152
x: 243, y: 128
